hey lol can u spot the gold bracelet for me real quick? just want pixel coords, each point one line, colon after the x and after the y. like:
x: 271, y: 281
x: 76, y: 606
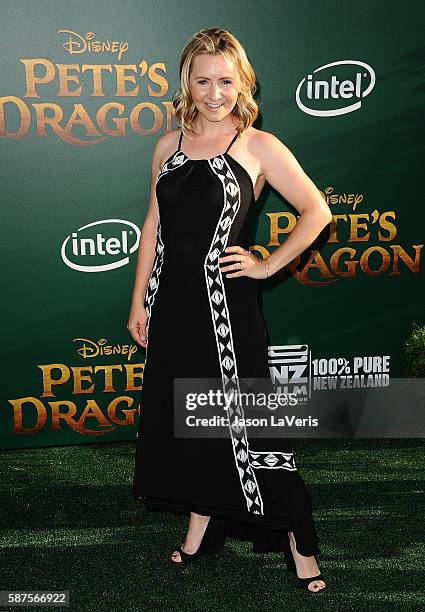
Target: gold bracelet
x: 267, y: 267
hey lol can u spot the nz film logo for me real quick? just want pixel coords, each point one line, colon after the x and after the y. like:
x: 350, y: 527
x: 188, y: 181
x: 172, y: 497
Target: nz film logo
x: 289, y: 367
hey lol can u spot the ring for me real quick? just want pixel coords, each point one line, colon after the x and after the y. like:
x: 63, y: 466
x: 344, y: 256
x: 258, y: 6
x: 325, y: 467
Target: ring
x: 240, y: 263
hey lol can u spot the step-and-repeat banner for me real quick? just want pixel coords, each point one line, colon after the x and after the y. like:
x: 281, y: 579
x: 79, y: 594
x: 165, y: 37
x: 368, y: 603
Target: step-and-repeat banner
x: 85, y: 91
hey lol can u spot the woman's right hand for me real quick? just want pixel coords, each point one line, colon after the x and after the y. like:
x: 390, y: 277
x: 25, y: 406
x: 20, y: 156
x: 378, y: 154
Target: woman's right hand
x: 137, y: 324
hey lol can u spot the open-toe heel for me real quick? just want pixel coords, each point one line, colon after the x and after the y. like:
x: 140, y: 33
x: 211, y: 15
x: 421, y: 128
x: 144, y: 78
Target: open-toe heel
x: 304, y: 582
x: 213, y: 541
x: 291, y: 567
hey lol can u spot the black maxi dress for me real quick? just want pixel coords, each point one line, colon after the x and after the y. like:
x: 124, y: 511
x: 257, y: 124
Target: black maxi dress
x: 203, y: 324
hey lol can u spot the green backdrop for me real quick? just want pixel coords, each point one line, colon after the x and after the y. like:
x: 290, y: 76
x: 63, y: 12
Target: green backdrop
x: 340, y: 83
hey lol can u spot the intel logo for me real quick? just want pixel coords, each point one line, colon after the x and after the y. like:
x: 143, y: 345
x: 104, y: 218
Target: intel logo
x: 335, y: 89
x: 101, y: 246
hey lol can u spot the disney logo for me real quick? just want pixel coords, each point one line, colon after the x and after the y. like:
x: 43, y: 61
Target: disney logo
x: 77, y: 44
x: 91, y: 348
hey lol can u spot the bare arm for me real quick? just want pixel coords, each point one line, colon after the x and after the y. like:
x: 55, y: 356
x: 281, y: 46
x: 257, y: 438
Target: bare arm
x: 285, y: 174
x: 145, y: 258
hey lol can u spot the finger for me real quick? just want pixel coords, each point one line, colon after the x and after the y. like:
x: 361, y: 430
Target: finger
x: 237, y: 270
x: 226, y: 268
x: 136, y: 337
x: 229, y: 258
x: 234, y: 249
x: 235, y: 266
x: 142, y: 331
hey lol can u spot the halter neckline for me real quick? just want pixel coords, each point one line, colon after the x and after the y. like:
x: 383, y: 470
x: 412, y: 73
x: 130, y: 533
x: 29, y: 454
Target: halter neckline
x: 230, y: 144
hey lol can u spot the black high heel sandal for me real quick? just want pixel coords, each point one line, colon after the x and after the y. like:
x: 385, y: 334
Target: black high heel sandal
x: 303, y: 582
x: 213, y: 541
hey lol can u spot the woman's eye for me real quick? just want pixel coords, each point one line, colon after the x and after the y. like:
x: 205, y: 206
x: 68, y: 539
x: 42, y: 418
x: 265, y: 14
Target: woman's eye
x: 225, y: 81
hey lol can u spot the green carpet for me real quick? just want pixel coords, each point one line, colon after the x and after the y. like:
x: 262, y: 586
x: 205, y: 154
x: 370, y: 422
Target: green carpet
x: 68, y: 521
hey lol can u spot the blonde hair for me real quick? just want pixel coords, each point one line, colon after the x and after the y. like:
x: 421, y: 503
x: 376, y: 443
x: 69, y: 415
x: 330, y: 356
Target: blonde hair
x: 213, y: 41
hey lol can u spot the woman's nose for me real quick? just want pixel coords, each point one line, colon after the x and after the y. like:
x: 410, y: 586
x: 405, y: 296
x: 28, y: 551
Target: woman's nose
x: 215, y: 92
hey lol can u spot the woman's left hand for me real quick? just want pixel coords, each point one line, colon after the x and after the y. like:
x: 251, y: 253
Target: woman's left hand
x: 242, y: 263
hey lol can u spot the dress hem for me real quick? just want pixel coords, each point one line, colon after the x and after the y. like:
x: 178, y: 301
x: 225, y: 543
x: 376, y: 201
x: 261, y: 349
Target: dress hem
x: 269, y: 536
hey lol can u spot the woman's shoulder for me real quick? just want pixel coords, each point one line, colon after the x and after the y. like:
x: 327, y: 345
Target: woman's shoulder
x: 166, y: 144
x: 260, y: 140
x: 266, y: 147
x: 168, y: 139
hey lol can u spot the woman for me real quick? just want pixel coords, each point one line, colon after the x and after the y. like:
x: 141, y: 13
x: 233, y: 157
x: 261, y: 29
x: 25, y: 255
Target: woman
x: 195, y: 301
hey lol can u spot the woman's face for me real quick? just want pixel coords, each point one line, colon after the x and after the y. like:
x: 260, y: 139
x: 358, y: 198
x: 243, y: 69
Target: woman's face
x: 214, y: 86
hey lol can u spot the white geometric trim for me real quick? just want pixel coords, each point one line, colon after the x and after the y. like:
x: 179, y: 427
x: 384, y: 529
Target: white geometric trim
x: 223, y: 331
